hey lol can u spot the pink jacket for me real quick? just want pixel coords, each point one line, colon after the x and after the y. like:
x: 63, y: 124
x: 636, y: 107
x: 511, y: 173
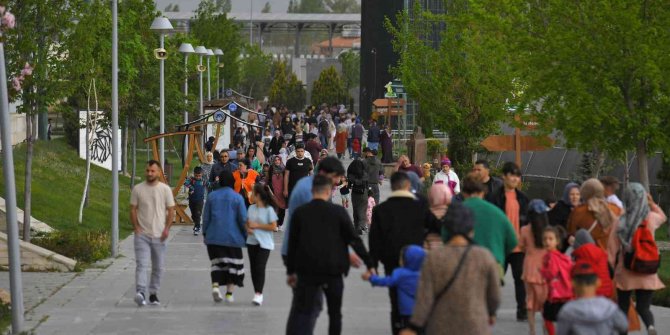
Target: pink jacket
x: 371, y: 204
x: 556, y: 272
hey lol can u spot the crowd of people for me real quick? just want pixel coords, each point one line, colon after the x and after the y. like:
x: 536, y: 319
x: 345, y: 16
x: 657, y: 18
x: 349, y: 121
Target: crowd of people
x: 444, y: 242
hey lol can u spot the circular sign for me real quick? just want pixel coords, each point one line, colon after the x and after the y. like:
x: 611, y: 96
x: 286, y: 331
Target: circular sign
x: 232, y: 107
x: 229, y: 92
x: 219, y: 116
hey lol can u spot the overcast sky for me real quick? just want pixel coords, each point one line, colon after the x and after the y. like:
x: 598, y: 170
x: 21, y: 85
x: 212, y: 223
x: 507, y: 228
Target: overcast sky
x: 239, y: 6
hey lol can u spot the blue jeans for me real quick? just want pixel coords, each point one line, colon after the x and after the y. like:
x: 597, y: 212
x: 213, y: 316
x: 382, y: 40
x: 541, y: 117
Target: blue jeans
x: 373, y: 145
x: 324, y: 140
x: 148, y: 248
x: 306, y: 304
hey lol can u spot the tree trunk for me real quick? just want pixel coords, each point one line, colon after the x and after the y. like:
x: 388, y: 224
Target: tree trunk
x: 134, y: 167
x: 598, y: 162
x: 643, y: 163
x: 28, y: 178
x: 626, y: 171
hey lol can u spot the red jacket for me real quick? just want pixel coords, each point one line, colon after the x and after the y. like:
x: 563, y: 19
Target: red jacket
x: 556, y: 272
x: 597, y: 258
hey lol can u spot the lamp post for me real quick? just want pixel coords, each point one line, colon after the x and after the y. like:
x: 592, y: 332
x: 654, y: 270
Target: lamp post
x: 162, y: 26
x: 186, y: 49
x: 218, y: 53
x: 115, y: 126
x: 201, y: 51
x: 210, y: 53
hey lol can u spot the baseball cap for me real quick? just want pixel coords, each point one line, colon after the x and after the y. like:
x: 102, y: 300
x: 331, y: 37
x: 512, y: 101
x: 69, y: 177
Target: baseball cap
x: 582, y: 268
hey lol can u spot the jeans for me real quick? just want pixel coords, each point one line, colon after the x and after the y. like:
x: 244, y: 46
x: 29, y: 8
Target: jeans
x: 515, y: 261
x: 306, y: 306
x: 324, y: 140
x: 258, y: 259
x: 373, y: 145
x: 196, y: 212
x: 359, y: 204
x: 146, y: 247
x: 642, y: 304
x: 349, y: 147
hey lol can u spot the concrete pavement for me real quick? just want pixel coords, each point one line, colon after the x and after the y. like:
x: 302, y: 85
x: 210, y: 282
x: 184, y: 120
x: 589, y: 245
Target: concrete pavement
x: 100, y: 301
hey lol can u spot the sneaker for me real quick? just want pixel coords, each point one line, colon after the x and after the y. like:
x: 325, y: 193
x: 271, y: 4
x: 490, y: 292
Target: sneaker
x: 196, y: 231
x: 651, y: 330
x: 522, y: 316
x: 258, y: 299
x: 216, y: 294
x: 139, y: 299
x: 153, y: 300
x: 230, y: 298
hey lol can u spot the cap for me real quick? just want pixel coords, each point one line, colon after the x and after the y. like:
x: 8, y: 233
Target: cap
x: 582, y: 237
x: 446, y: 161
x: 374, y: 152
x: 582, y: 268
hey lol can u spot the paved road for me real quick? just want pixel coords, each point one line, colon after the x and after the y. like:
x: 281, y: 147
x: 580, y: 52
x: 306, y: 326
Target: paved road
x: 100, y: 301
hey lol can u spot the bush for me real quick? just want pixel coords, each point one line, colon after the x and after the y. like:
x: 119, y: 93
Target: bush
x: 71, y: 126
x: 5, y: 316
x: 83, y: 246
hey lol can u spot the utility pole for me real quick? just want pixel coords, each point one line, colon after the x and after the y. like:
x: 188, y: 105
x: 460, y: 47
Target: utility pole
x: 115, y: 129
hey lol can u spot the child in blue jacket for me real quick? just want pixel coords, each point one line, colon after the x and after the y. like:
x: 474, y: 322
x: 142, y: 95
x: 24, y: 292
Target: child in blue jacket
x: 405, y: 279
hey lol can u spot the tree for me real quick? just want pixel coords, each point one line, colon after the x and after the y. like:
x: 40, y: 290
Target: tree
x: 215, y: 30
x: 351, y: 69
x: 597, y: 72
x: 40, y: 27
x: 463, y: 79
x: 292, y: 7
x: 175, y: 8
x: 223, y: 6
x: 310, y: 6
x: 286, y: 89
x: 255, y: 72
x: 329, y: 88
x: 343, y: 6
x: 267, y: 8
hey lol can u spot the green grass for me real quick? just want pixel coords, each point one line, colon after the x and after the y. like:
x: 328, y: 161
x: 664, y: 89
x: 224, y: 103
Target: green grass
x: 662, y: 297
x: 57, y: 186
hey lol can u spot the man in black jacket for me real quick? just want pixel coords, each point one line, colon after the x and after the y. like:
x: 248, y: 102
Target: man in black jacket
x: 515, y: 205
x: 399, y: 221
x: 483, y: 170
x: 318, y: 257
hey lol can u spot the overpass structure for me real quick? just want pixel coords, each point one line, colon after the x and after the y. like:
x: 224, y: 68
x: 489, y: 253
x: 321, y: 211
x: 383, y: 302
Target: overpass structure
x: 261, y: 23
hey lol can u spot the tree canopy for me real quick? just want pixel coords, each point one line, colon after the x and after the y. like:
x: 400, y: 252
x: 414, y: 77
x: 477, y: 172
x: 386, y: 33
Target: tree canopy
x: 329, y: 88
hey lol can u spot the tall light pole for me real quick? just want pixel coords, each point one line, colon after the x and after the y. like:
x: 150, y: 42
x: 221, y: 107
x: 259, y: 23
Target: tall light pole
x: 251, y: 22
x: 13, y: 253
x: 210, y: 53
x: 115, y: 127
x: 162, y: 26
x: 218, y: 53
x: 186, y: 49
x: 201, y: 51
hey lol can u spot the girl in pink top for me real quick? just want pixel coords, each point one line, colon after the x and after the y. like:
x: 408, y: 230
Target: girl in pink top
x: 530, y: 242
x: 555, y: 270
x: 639, y: 207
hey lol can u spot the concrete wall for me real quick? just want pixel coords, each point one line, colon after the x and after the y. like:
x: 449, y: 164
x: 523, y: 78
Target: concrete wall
x: 36, y: 258
x: 18, y: 127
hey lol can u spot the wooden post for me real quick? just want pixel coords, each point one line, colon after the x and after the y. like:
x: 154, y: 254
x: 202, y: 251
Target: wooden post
x: 517, y: 143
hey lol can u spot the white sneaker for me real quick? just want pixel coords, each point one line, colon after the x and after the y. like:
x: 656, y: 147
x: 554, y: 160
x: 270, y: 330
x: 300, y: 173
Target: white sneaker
x: 258, y: 299
x: 216, y: 294
x: 651, y: 330
x: 229, y: 298
x: 139, y: 299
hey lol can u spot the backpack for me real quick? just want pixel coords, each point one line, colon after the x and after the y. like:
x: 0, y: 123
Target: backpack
x: 643, y: 257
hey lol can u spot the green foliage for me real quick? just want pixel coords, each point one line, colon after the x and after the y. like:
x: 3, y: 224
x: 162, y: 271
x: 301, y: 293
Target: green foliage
x: 434, y: 147
x: 329, y: 88
x: 343, y: 6
x: 223, y: 6
x: 255, y: 72
x: 5, y: 316
x: 267, y: 8
x: 463, y: 81
x: 309, y: 6
x: 323, y: 6
x: 215, y: 30
x: 83, y: 246
x: 286, y: 89
x: 351, y: 69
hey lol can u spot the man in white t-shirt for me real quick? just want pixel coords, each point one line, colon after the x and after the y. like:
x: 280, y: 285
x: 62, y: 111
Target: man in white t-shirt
x: 151, y: 213
x: 611, y: 185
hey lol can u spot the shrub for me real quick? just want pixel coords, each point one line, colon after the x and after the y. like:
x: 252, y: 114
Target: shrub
x: 5, y: 316
x: 434, y: 148
x: 83, y: 246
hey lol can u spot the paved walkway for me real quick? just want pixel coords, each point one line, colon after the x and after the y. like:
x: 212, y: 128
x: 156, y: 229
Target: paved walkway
x: 100, y: 301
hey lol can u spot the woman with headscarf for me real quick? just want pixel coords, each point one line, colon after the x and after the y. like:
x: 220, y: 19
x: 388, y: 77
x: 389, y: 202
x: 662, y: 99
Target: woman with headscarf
x: 277, y: 186
x: 439, y: 199
x: 224, y: 219
x: 558, y: 216
x: 341, y: 140
x: 458, y: 272
x: 639, y: 209
x: 358, y: 184
x: 595, y: 214
x: 207, y: 165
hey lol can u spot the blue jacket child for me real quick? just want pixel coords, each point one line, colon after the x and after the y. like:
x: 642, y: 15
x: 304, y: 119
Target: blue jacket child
x: 404, y: 278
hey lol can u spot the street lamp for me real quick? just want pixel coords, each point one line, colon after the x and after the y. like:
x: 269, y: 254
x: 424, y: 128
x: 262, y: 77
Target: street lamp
x: 162, y: 26
x: 186, y: 49
x: 210, y: 53
x: 218, y: 53
x: 201, y: 51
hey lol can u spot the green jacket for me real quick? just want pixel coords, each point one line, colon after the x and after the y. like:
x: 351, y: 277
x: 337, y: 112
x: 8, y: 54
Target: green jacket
x: 493, y: 230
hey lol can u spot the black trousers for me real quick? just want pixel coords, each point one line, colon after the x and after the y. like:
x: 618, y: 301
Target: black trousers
x: 305, y: 306
x: 196, y: 212
x: 258, y: 259
x: 642, y: 304
x: 359, y: 204
x: 515, y: 261
x: 396, y: 320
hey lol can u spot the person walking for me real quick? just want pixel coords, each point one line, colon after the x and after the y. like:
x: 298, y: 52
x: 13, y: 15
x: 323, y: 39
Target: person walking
x: 439, y: 199
x: 223, y: 165
x: 399, y: 221
x: 483, y: 171
x: 448, y: 177
x: 318, y: 258
x: 515, y: 205
x: 277, y: 187
x: 341, y: 140
x: 404, y: 165
x: 558, y: 216
x: 196, y: 186
x: 296, y: 168
x: 611, y: 185
x: 373, y: 171
x: 152, y: 209
x: 245, y: 178
x: 386, y: 139
x: 261, y: 223
x: 595, y: 214
x: 358, y: 183
x: 641, y: 212
x: 459, y: 285
x: 555, y: 270
x: 276, y: 142
x: 224, y: 231
x: 586, y: 251
x: 207, y: 166
x: 374, y: 135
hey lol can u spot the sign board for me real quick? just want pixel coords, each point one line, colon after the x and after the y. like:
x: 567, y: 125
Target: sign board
x: 397, y: 87
x: 219, y: 116
x: 232, y: 107
x: 101, y: 146
x: 229, y: 92
x: 499, y: 143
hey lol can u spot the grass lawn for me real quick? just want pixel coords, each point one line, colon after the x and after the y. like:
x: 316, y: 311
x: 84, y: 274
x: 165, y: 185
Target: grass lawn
x: 57, y: 186
x: 662, y: 297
